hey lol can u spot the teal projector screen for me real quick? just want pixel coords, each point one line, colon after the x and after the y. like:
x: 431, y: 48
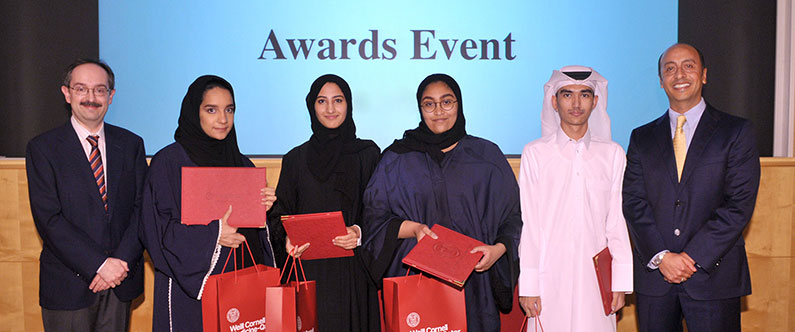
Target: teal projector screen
x: 500, y: 52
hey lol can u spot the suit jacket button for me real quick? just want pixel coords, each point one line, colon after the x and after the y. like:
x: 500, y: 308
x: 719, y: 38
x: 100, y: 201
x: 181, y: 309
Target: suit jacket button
x: 678, y: 203
x: 677, y: 232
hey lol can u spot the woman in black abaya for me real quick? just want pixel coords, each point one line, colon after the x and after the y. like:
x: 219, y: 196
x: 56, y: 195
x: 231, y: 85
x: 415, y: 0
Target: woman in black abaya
x: 329, y: 173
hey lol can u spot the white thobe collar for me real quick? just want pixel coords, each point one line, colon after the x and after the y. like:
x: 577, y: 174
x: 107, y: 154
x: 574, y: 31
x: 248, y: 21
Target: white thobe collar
x: 562, y: 139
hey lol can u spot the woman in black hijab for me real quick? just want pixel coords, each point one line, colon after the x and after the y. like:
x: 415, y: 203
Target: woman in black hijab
x: 184, y: 256
x: 438, y: 174
x: 329, y: 173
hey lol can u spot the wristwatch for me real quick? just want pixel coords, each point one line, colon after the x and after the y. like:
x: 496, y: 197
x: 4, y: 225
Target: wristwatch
x: 658, y: 258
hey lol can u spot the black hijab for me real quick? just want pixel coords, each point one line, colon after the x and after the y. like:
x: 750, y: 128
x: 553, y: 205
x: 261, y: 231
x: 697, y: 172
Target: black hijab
x: 422, y: 139
x: 326, y: 146
x: 201, y: 148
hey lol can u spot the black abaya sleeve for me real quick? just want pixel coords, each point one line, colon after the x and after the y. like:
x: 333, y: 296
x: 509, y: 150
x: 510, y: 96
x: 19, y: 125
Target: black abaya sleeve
x: 286, y: 198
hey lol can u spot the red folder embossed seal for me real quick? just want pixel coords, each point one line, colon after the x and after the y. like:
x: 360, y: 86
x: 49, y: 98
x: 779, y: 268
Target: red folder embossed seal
x: 207, y: 193
x: 447, y: 257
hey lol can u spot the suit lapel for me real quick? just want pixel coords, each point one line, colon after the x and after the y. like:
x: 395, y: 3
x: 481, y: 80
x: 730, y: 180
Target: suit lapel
x: 707, y: 126
x: 114, y: 159
x: 662, y: 132
x: 71, y: 151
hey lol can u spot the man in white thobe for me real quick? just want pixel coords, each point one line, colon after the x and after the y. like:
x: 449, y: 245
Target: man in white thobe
x: 570, y: 187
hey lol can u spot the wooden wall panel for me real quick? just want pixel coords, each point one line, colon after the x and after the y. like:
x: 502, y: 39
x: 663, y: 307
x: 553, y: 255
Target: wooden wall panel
x: 770, y: 231
x: 770, y: 241
x: 141, y: 319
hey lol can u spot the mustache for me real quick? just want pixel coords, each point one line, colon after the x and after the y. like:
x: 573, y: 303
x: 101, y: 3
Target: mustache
x: 91, y: 103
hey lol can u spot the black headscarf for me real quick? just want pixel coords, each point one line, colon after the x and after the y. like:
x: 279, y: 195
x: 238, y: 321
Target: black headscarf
x: 422, y: 139
x: 326, y: 146
x: 201, y: 148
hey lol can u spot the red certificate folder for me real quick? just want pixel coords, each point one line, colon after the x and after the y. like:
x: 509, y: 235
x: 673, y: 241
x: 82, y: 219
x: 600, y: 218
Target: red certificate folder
x: 447, y: 257
x: 603, y: 264
x: 318, y: 229
x: 207, y: 193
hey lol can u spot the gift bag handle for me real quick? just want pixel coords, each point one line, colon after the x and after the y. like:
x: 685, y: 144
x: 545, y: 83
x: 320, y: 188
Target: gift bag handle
x: 293, y: 267
x: 409, y: 270
x: 537, y: 321
x: 301, y: 266
x: 284, y: 268
x: 298, y: 280
x: 232, y: 253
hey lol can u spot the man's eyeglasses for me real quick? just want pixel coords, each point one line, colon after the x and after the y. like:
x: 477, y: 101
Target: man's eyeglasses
x: 429, y: 106
x: 82, y: 90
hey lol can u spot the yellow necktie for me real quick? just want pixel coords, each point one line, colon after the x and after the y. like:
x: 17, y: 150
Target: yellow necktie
x: 680, y: 145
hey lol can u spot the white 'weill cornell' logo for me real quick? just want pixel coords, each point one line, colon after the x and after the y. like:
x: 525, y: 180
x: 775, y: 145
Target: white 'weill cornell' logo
x: 413, y: 319
x: 232, y: 315
x: 298, y: 322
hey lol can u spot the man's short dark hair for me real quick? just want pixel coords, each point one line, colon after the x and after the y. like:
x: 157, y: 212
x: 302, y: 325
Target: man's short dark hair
x: 67, y: 78
x: 700, y: 57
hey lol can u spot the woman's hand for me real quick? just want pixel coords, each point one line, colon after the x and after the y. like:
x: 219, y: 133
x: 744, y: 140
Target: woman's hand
x: 295, y: 251
x: 409, y: 229
x: 490, y: 255
x: 268, y: 197
x: 348, y: 241
x: 229, y: 235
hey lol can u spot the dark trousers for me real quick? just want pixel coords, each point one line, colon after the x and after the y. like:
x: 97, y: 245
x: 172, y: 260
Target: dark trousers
x: 107, y: 313
x: 665, y: 313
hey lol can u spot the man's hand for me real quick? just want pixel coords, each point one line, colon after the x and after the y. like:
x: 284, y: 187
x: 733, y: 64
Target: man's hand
x: 490, y: 255
x: 531, y: 305
x: 113, y: 271
x: 229, y: 235
x: 676, y: 268
x: 348, y: 241
x: 98, y: 285
x: 268, y: 197
x: 618, y: 301
x: 293, y: 250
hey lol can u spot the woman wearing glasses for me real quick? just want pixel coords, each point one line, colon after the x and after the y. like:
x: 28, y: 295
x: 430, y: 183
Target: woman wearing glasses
x: 329, y: 173
x: 437, y: 174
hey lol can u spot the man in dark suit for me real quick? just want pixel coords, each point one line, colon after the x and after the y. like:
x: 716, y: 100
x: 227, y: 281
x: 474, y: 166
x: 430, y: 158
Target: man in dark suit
x: 85, y: 181
x: 689, y: 191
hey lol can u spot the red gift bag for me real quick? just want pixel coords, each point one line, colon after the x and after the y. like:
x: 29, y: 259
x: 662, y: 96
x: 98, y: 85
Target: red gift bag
x: 280, y: 308
x: 235, y: 300
x: 417, y: 302
x: 293, y: 306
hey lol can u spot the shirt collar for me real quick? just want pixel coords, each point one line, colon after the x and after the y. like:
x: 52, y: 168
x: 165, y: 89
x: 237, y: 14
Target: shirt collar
x: 692, y: 115
x: 82, y: 132
x: 562, y: 139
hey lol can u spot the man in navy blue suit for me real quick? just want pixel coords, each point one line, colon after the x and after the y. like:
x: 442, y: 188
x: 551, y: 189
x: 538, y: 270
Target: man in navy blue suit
x: 85, y: 181
x: 690, y: 188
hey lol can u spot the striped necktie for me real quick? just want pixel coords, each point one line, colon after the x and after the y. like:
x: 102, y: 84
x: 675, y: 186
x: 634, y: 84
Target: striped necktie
x: 95, y: 159
x: 680, y: 145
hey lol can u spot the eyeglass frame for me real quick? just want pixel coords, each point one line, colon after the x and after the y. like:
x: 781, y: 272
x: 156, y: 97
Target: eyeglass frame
x: 438, y: 104
x: 76, y: 89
